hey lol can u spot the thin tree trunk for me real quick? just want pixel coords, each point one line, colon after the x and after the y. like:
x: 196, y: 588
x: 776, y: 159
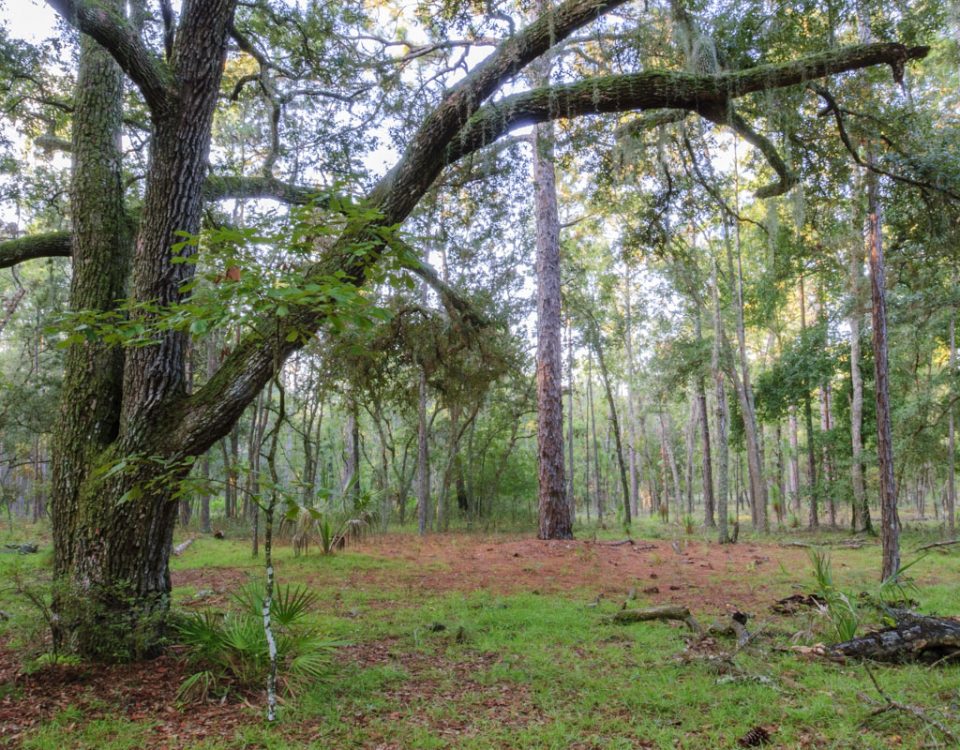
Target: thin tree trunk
x: 423, y: 458
x: 571, y: 496
x: 650, y: 464
x: 690, y: 440
x: 814, y: 518
x: 861, y: 509
x: 793, y: 429
x: 889, y: 520
x: 707, y: 463
x: 826, y: 424
x: 781, y: 486
x: 614, y: 421
x: 744, y: 390
x: 666, y: 440
x: 596, y: 448
x: 631, y: 407
x: 951, y: 444
x: 587, y: 453
x: 721, y: 411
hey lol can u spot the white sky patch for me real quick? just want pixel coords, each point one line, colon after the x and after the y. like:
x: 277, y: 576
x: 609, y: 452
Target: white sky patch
x: 30, y: 20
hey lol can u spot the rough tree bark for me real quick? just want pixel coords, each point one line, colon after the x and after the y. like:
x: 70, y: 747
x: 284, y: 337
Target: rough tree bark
x: 554, y: 511
x: 889, y: 520
x: 88, y: 421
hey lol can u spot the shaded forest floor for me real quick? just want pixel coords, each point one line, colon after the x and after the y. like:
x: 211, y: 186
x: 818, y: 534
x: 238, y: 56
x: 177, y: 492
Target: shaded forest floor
x: 469, y: 641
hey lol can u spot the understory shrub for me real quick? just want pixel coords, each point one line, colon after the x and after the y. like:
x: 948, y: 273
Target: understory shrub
x: 230, y: 651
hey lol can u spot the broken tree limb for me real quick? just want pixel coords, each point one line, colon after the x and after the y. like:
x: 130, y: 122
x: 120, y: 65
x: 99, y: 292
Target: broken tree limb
x: 914, y: 638
x: 737, y: 627
x: 934, y: 545
x: 666, y: 612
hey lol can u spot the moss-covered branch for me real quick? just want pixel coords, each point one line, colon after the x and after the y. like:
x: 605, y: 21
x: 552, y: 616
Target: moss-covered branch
x: 223, y: 187
x: 706, y: 94
x: 47, y: 245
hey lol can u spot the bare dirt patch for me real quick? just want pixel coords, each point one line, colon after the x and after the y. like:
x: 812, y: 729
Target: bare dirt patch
x: 702, y: 576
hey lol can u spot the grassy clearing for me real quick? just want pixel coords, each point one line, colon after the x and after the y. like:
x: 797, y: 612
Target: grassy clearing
x: 524, y: 669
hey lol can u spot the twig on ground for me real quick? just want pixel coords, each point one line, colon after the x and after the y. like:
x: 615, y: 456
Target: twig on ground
x: 891, y: 705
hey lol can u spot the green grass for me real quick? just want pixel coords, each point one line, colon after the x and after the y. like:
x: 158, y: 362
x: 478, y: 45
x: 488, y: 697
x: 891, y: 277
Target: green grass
x: 550, y: 671
x: 70, y: 728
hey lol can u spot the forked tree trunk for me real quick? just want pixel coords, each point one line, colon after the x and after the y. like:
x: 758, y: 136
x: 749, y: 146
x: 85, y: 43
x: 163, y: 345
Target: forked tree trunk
x: 113, y: 526
x: 113, y: 498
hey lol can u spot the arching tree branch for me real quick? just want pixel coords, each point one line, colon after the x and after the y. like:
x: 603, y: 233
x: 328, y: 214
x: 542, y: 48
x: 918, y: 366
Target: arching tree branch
x: 730, y: 117
x: 704, y: 94
x: 145, y: 69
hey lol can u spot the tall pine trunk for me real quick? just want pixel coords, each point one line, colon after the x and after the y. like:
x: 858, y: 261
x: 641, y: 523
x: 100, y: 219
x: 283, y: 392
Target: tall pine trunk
x: 554, y: 510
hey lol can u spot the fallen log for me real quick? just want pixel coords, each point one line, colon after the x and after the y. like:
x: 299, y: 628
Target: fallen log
x: 914, y: 638
x: 666, y: 612
x: 26, y: 548
x: 182, y: 547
